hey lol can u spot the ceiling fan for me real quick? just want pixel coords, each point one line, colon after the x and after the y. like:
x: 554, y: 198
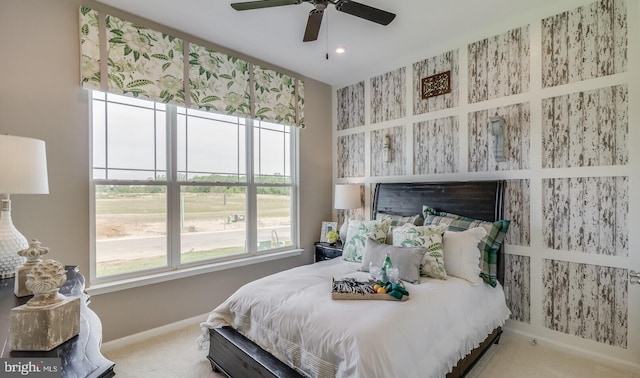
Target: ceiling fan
x: 315, y: 16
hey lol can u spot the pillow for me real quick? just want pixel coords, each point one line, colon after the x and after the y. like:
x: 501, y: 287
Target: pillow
x: 489, y: 245
x: 398, y: 220
x: 429, y: 237
x: 407, y: 260
x: 461, y: 253
x: 357, y: 234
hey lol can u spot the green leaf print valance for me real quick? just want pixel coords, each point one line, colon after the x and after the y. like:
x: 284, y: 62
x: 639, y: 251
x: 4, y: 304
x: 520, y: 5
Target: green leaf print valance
x: 122, y: 57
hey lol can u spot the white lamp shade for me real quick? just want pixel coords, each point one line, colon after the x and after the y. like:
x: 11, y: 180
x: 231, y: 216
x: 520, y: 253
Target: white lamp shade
x: 23, y: 166
x: 347, y: 197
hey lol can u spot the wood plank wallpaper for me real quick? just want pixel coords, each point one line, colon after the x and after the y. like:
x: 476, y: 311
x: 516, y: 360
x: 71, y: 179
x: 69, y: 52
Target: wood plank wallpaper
x: 589, y: 301
x: 350, y: 106
x: 499, y: 66
x: 586, y: 128
x: 586, y: 214
x: 435, y: 146
x: 388, y: 96
x: 516, y: 139
x: 398, y: 163
x: 517, y: 209
x: 350, y: 155
x: 434, y: 65
x: 517, y: 286
x: 584, y: 43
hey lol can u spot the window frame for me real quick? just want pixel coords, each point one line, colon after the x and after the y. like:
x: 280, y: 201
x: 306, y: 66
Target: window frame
x: 173, y: 188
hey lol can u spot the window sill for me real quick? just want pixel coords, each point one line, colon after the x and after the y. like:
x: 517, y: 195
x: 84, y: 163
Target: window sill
x: 109, y: 287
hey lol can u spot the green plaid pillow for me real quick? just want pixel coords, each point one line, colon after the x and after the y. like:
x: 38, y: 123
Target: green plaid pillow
x: 397, y: 221
x: 489, y: 245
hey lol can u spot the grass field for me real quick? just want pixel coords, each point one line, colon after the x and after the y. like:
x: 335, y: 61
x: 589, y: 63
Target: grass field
x: 143, y: 214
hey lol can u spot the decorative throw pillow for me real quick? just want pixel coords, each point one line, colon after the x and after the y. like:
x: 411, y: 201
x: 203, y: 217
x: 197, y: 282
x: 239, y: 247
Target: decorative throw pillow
x: 461, y: 253
x: 357, y: 234
x: 429, y: 237
x: 406, y: 259
x: 398, y: 220
x: 490, y: 244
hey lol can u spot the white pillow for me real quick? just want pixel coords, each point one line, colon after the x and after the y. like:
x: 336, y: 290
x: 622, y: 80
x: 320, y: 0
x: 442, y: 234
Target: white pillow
x: 461, y: 253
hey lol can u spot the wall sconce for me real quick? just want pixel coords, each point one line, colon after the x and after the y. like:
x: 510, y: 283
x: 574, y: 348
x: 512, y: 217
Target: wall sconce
x: 387, y: 152
x: 497, y: 130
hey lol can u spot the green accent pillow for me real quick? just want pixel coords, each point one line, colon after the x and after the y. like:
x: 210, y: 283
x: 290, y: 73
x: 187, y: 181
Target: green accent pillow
x: 488, y: 246
x: 357, y: 234
x: 429, y: 237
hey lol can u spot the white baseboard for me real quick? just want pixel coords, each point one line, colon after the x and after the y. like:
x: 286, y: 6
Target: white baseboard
x: 573, y: 350
x: 145, y: 335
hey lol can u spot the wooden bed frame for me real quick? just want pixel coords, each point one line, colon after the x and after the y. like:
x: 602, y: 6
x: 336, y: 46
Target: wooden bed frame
x: 236, y: 356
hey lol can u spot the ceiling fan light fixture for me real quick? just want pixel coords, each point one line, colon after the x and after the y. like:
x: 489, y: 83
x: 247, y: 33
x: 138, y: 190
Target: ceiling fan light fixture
x: 341, y: 50
x: 314, y: 21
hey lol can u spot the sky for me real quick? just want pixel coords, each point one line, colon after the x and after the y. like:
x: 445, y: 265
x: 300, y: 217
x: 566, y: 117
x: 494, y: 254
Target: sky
x: 136, y: 139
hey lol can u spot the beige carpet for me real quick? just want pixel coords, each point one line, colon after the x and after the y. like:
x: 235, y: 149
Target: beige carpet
x: 174, y: 354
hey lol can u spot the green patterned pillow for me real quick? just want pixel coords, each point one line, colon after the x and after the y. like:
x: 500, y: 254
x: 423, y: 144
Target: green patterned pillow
x: 357, y: 234
x: 488, y: 246
x: 429, y: 237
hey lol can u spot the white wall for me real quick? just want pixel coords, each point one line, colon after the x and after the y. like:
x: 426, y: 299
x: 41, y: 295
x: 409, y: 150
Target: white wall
x: 40, y: 97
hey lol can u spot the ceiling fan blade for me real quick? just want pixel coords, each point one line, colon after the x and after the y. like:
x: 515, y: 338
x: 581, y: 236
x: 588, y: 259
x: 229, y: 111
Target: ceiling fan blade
x: 313, y: 25
x: 364, y: 11
x: 263, y: 4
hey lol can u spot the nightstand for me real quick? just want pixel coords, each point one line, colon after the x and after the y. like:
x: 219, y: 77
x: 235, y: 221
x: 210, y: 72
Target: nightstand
x: 325, y: 251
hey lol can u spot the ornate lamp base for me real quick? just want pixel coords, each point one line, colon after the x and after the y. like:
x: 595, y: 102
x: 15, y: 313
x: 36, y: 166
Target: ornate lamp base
x: 11, y: 241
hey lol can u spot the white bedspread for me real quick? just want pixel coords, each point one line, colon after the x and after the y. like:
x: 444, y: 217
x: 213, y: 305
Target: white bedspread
x: 291, y: 315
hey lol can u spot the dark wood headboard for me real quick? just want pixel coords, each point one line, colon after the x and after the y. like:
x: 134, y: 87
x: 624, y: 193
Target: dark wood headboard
x: 475, y: 199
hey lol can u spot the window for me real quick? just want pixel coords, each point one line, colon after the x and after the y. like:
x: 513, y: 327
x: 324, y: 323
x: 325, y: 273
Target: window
x: 175, y: 187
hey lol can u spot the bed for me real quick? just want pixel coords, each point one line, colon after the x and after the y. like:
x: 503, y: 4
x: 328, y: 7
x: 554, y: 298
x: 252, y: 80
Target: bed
x: 287, y: 325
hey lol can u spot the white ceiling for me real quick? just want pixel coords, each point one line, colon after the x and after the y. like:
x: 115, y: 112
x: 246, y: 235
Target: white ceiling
x: 275, y: 34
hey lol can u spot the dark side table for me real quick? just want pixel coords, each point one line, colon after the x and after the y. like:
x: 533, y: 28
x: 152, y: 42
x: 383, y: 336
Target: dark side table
x: 80, y: 356
x: 326, y: 251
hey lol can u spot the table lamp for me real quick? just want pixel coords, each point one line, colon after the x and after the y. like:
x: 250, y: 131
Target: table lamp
x: 346, y: 197
x: 23, y: 170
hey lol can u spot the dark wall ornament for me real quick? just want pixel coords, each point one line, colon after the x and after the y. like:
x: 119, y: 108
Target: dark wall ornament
x: 436, y: 85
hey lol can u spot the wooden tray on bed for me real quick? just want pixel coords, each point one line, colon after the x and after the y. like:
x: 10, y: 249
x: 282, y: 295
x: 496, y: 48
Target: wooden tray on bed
x: 364, y: 296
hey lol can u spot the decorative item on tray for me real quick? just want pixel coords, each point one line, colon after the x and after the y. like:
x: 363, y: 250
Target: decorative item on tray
x: 354, y: 288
